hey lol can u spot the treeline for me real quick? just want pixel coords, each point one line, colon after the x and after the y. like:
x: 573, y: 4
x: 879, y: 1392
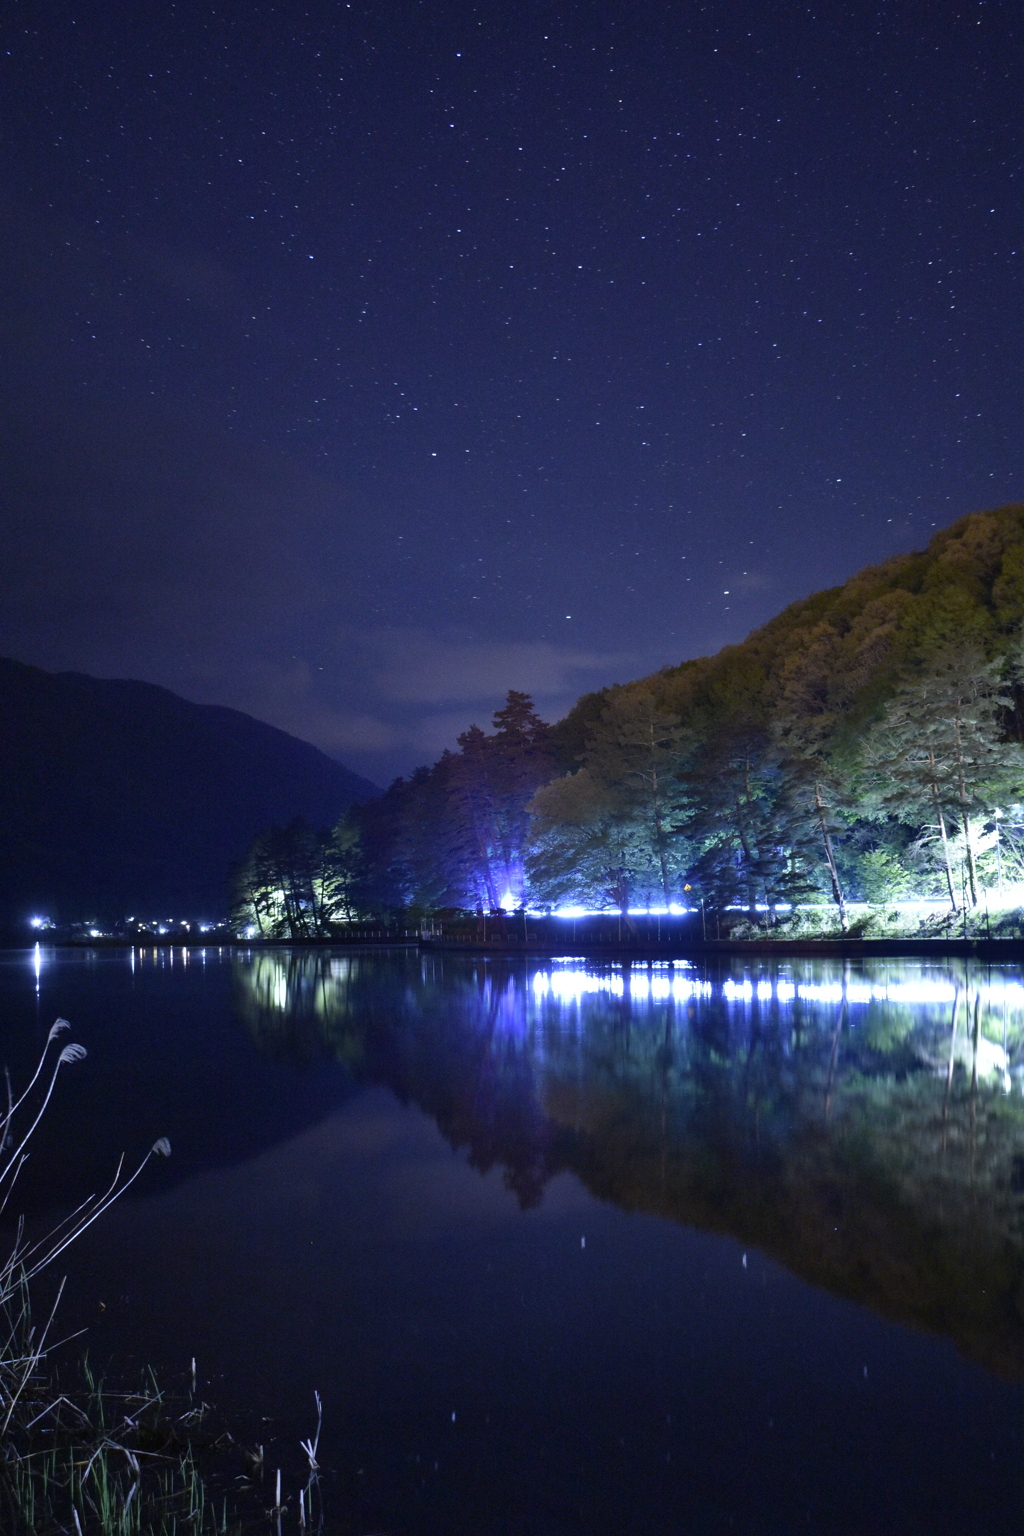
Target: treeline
x: 863, y: 745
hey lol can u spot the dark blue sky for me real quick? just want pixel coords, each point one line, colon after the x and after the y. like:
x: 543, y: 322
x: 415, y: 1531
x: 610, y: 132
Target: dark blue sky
x: 364, y: 361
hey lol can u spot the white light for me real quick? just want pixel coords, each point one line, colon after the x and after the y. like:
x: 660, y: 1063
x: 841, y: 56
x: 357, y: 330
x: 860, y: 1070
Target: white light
x: 734, y: 990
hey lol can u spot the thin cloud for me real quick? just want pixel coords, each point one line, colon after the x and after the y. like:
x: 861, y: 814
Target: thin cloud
x: 415, y: 667
x: 290, y: 698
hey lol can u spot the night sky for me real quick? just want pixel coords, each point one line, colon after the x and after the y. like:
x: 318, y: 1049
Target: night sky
x: 362, y: 361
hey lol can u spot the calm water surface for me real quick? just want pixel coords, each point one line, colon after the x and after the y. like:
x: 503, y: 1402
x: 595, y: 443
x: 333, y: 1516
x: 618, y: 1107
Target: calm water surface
x: 565, y: 1247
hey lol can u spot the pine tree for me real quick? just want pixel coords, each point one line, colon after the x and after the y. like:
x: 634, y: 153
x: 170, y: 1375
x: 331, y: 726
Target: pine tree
x: 492, y: 782
x: 295, y: 883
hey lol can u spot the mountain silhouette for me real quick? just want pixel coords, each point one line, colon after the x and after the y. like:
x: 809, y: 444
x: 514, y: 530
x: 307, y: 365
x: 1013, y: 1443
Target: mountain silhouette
x: 119, y: 798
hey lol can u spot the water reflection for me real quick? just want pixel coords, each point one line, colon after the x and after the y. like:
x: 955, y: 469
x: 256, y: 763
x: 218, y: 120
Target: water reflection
x: 862, y: 1124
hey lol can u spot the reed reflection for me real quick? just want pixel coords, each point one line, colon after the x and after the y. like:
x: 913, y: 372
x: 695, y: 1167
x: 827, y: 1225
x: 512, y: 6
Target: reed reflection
x: 864, y: 1125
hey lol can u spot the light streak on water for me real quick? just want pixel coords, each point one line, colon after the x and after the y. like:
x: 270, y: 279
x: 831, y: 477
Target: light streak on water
x: 970, y: 1007
x: 569, y: 982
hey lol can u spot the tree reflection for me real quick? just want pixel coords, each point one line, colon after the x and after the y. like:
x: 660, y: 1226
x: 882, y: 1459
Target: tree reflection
x: 862, y: 1125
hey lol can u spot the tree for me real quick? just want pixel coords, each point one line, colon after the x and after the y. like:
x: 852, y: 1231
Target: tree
x: 804, y: 722
x: 634, y: 753
x: 733, y: 814
x: 493, y: 781
x: 810, y: 790
x: 453, y: 835
x: 604, y: 833
x: 295, y: 883
x: 938, y: 751
x: 343, y: 868
x: 582, y: 849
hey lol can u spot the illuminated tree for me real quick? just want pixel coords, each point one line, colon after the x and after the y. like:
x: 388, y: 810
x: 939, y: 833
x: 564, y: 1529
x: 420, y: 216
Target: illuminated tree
x: 453, y: 835
x: 491, y: 783
x: 634, y: 754
x: 583, y: 850
x: 939, y: 755
x: 748, y: 845
x: 804, y: 720
x: 295, y: 883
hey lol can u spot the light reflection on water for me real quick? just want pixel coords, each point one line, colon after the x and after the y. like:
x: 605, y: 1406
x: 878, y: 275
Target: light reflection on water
x: 572, y: 980
x: 920, y: 993
x: 756, y: 1098
x: 400, y: 1154
x: 760, y: 1099
x: 276, y: 976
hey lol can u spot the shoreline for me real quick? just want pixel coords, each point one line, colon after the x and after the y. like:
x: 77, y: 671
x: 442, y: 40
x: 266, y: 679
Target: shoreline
x: 641, y: 948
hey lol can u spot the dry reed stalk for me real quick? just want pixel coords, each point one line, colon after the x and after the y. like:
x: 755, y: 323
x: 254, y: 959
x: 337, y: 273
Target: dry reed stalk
x: 83, y: 1469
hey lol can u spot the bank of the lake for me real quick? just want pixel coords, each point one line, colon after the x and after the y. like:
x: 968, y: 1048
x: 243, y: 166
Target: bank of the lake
x: 624, y: 946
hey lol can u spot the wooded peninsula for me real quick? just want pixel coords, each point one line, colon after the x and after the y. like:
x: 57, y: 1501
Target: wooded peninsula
x: 859, y: 754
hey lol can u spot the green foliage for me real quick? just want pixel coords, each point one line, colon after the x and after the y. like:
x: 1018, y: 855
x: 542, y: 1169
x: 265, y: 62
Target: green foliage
x: 800, y: 750
x: 604, y: 834
x: 857, y: 743
x: 108, y: 1462
x: 298, y: 884
x: 883, y: 877
x: 583, y: 847
x: 569, y: 737
x: 939, y: 753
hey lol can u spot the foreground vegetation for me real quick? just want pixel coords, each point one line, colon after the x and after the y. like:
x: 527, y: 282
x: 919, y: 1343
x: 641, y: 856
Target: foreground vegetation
x: 862, y: 747
x: 90, y: 1460
x: 112, y: 1462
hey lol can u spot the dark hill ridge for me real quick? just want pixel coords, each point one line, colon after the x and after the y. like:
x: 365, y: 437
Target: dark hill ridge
x: 121, y: 798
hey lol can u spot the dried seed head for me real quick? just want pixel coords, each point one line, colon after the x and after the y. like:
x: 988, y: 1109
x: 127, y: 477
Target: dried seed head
x: 162, y: 1148
x: 57, y: 1027
x: 72, y: 1053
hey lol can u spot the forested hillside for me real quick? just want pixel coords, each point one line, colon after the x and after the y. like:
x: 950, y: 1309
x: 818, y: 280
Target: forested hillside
x: 864, y: 745
x: 863, y: 742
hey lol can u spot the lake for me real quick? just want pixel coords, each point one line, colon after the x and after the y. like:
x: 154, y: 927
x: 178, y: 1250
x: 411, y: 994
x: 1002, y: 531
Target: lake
x: 567, y: 1248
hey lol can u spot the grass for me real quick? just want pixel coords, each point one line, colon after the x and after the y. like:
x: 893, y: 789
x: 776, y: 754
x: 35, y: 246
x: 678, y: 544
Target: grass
x: 94, y: 1461
x: 887, y: 921
x: 103, y: 1462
